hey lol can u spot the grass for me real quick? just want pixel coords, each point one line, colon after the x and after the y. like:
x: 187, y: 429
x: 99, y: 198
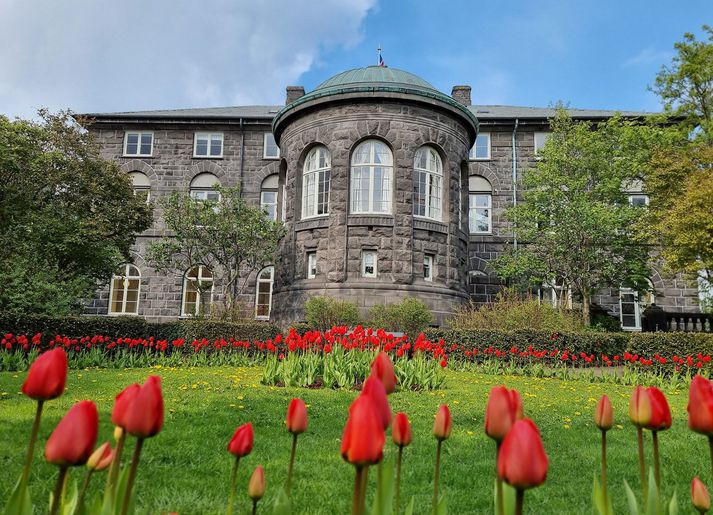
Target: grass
x: 186, y: 467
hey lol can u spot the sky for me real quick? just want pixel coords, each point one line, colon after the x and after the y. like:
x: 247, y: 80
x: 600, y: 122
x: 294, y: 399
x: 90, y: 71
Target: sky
x: 128, y: 55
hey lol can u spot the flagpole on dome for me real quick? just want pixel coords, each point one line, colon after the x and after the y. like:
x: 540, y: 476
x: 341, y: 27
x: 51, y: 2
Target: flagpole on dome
x: 378, y: 55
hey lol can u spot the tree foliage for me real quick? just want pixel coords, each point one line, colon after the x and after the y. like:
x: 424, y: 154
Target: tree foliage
x: 231, y: 236
x: 67, y: 216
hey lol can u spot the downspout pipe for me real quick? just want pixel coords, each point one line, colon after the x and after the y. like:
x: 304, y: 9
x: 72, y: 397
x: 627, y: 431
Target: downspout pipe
x: 242, y: 156
x: 514, y: 179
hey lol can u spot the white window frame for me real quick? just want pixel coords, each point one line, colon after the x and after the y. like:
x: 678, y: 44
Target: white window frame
x: 541, y: 134
x: 644, y: 195
x: 125, y: 287
x: 200, y: 279
x: 375, y: 257
x: 260, y: 281
x: 637, y: 310
x: 264, y: 203
x: 434, y: 182
x: 136, y: 188
x: 489, y: 207
x: 472, y: 154
x: 311, y: 264
x: 209, y: 148
x: 428, y: 264
x: 264, y: 146
x: 370, y: 165
x: 138, y: 145
x: 311, y: 184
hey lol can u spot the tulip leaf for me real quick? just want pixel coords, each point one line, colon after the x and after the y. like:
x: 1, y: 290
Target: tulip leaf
x: 410, y: 507
x: 442, y: 507
x: 384, y: 498
x: 673, y: 505
x: 282, y: 504
x: 631, y: 500
x: 602, y: 503
x: 19, y: 502
x: 69, y: 498
x: 121, y: 490
x: 653, y: 501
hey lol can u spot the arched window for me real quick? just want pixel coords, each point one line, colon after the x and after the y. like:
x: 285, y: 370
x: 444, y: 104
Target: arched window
x: 268, y: 196
x: 124, y: 291
x: 427, y: 183
x: 203, y: 187
x: 141, y: 185
x: 263, y: 293
x: 197, y: 291
x: 372, y: 170
x: 480, y: 205
x: 315, y: 182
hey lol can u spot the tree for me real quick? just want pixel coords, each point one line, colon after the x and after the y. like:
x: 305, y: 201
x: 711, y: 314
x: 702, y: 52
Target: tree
x: 576, y: 226
x: 231, y: 236
x: 686, y: 87
x: 67, y: 217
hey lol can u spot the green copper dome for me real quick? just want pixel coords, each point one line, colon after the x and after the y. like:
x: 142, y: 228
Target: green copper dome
x: 374, y: 76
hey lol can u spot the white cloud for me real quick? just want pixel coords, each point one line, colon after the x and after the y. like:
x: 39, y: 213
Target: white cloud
x: 91, y: 55
x: 648, y: 56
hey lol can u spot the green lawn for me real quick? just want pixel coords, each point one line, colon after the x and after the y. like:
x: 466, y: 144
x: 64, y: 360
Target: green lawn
x: 186, y: 467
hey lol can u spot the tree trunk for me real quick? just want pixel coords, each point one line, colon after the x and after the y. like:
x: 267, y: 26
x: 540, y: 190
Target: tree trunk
x: 585, y: 306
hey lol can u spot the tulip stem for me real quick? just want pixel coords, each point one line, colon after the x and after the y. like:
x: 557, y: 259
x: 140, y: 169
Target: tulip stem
x: 292, y: 463
x: 356, y: 499
x: 132, y: 475
x: 398, y: 478
x: 33, y: 440
x: 434, y: 506
x: 254, y: 506
x: 657, y: 472
x: 604, y: 465
x: 642, y: 464
x: 519, y: 501
x: 233, y: 475
x: 58, y: 487
x: 83, y: 491
x: 499, y: 509
x: 362, y: 492
x: 115, y: 467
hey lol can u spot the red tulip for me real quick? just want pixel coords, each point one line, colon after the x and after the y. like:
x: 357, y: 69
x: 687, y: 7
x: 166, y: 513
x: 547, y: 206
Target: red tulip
x: 47, y: 376
x: 660, y: 412
x: 256, y: 486
x: 383, y: 368
x: 699, y: 496
x: 296, y: 417
x: 121, y: 404
x: 700, y: 406
x: 101, y: 458
x: 241, y: 444
x: 442, y: 424
x: 522, y: 462
x: 604, y: 416
x: 72, y: 441
x: 143, y: 417
x: 504, y: 408
x: 374, y: 389
x: 640, y: 407
x: 401, y: 430
x: 363, y: 438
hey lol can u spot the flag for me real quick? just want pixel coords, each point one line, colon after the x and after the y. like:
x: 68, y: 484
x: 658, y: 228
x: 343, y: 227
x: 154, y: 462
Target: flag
x: 381, y: 61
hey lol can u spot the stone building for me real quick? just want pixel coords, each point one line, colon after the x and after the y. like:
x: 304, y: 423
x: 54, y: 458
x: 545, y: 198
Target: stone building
x: 386, y: 186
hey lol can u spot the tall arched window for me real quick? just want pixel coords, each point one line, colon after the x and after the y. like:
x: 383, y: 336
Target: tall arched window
x: 203, y: 187
x: 268, y: 196
x: 427, y: 183
x: 315, y: 182
x: 124, y: 291
x: 141, y: 185
x: 372, y: 171
x: 480, y: 205
x: 263, y: 293
x: 197, y: 291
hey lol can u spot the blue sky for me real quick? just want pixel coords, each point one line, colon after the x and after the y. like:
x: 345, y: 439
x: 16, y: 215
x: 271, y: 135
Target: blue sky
x: 107, y: 55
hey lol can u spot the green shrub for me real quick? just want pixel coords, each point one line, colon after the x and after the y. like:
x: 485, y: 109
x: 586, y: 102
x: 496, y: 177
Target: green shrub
x: 512, y: 312
x: 410, y: 316
x: 679, y: 344
x: 323, y: 313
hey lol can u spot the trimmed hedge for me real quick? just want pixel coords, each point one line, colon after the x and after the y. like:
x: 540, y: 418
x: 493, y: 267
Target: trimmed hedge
x: 679, y: 344
x: 134, y: 327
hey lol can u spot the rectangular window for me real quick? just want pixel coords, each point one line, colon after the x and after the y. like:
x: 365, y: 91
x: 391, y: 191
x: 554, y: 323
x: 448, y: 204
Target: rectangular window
x: 208, y: 144
x: 270, y: 148
x: 481, y: 148
x: 428, y: 267
x: 208, y: 195
x: 268, y: 203
x: 540, y: 140
x: 479, y: 213
x: 368, y: 263
x: 629, y: 310
x: 311, y: 265
x: 138, y: 143
x: 143, y: 192
x: 639, y: 200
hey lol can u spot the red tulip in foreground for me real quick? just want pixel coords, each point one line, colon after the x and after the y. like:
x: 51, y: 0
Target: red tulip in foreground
x: 441, y: 430
x: 401, y: 435
x: 118, y: 414
x: 296, y: 422
x: 374, y: 390
x: 660, y: 420
x: 604, y: 420
x: 640, y: 415
x: 240, y: 445
x: 72, y: 443
x: 100, y: 459
x: 256, y: 486
x: 699, y: 496
x: 522, y: 462
x: 383, y: 368
x: 700, y: 409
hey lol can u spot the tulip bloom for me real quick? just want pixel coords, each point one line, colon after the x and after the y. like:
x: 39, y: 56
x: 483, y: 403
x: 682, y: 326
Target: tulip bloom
x: 699, y: 496
x: 442, y: 423
x: 401, y: 435
x: 640, y: 407
x: 603, y: 415
x: 101, y: 458
x: 374, y: 390
x: 660, y: 412
x: 47, y: 376
x: 143, y: 415
x: 72, y: 441
x: 122, y: 402
x: 241, y: 444
x: 504, y: 408
x: 700, y: 406
x: 383, y: 368
x: 256, y: 486
x: 296, y: 423
x: 363, y: 438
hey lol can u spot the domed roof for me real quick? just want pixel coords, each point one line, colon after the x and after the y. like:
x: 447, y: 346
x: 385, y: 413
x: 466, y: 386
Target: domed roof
x: 373, y: 76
